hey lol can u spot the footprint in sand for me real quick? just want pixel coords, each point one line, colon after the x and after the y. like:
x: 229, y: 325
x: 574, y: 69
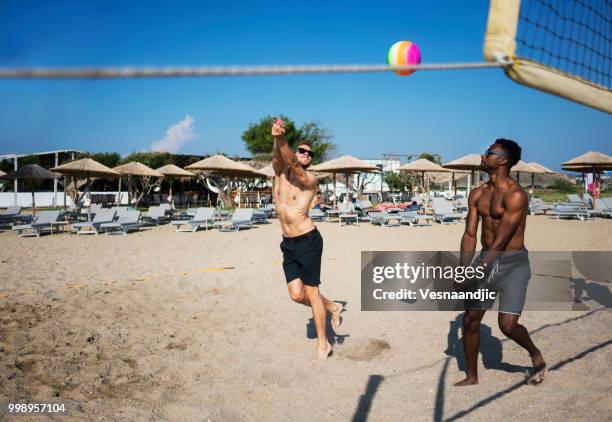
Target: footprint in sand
x: 363, y: 349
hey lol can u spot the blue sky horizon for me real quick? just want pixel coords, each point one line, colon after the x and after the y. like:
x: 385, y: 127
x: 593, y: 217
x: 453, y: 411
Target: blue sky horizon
x: 452, y: 113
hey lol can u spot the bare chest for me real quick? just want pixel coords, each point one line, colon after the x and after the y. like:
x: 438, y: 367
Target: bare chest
x: 491, y: 204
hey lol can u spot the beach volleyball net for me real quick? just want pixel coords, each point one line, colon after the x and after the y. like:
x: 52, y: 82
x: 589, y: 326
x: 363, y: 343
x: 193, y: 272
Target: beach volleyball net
x: 563, y: 47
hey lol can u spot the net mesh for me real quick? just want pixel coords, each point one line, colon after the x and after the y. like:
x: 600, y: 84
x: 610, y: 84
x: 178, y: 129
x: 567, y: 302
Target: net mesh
x: 573, y: 37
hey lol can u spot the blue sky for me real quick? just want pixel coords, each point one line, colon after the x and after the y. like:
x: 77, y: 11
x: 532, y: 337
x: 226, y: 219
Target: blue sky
x: 452, y: 113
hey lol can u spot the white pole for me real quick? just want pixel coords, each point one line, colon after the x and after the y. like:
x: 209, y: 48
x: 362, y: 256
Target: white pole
x: 55, y: 181
x: 15, y: 181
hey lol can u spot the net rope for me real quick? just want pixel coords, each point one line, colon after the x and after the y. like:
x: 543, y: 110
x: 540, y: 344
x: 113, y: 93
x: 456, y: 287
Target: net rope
x: 202, y: 71
x: 573, y: 37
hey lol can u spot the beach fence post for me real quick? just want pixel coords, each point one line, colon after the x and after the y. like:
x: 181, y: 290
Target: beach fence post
x: 15, y: 181
x: 55, y: 181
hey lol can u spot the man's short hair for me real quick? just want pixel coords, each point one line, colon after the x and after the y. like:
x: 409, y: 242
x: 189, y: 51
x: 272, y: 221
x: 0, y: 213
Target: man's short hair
x: 511, y: 148
x: 305, y: 142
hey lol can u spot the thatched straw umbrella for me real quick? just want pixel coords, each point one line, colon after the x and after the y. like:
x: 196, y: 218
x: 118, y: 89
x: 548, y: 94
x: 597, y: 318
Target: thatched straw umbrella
x: 171, y: 171
x: 223, y: 166
x: 347, y: 165
x: 469, y: 162
x: 423, y: 166
x: 592, y: 162
x: 84, y: 168
x: 523, y: 167
x: 33, y: 173
x: 134, y: 168
x: 540, y: 170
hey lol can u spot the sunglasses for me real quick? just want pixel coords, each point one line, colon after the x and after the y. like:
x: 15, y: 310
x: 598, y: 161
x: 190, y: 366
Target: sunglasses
x: 493, y: 152
x: 305, y: 152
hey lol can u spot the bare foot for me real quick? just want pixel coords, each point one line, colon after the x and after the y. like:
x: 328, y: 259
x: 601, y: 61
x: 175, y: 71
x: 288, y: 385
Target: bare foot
x: 467, y: 381
x: 323, y: 353
x: 336, y: 320
x: 540, y: 369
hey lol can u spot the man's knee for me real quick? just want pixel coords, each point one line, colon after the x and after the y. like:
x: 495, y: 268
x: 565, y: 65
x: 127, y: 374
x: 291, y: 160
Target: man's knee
x: 297, y: 295
x: 471, y: 323
x: 507, y: 326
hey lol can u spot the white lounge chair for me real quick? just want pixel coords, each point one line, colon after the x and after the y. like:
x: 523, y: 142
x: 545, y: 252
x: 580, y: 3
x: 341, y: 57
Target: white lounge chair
x: 43, y: 221
x: 384, y: 219
x: 443, y: 212
x: 242, y: 217
x: 413, y: 218
x: 316, y: 214
x: 201, y: 217
x: 569, y: 211
x: 537, y: 205
x: 10, y: 211
x: 154, y: 214
x: 13, y: 215
x: 104, y: 215
x: 573, y: 199
x: 270, y: 210
x: 128, y: 220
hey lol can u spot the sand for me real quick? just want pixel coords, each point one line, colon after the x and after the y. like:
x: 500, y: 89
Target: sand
x: 162, y: 325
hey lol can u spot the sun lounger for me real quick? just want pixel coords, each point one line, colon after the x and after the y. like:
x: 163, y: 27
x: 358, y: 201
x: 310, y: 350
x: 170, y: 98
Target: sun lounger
x: 316, y: 214
x: 167, y: 209
x: 259, y: 216
x: 201, y: 217
x: 242, y: 217
x: 270, y: 210
x: 154, y: 214
x: 349, y: 217
x: 607, y: 202
x: 43, y: 221
x: 329, y: 214
x: 384, y: 219
x: 128, y: 220
x: 413, y: 217
x: 13, y: 215
x: 537, y: 205
x: 104, y: 215
x: 443, y: 212
x: 11, y: 211
x: 569, y: 211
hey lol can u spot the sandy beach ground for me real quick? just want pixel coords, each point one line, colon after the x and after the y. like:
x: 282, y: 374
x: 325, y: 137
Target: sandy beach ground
x: 160, y: 325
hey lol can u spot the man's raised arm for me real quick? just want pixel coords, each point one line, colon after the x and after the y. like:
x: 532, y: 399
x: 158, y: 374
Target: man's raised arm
x: 287, y: 157
x: 278, y: 133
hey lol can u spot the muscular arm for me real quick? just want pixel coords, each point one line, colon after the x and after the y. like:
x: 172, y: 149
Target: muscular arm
x: 278, y: 163
x: 515, y: 204
x: 468, y: 241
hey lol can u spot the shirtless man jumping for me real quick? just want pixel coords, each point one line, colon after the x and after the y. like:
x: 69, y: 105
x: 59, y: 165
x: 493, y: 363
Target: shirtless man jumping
x: 302, y: 245
x: 501, y: 203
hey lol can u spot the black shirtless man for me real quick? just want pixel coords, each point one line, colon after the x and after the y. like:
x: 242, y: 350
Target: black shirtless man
x: 502, y: 204
x: 302, y: 245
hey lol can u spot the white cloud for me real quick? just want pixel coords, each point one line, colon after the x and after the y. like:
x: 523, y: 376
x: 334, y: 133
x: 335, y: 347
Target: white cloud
x: 176, y: 136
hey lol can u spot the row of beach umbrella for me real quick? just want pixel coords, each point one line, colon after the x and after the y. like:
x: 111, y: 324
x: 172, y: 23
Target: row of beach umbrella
x: 220, y: 165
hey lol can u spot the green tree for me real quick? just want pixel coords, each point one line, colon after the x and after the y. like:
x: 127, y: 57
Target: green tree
x: 435, y: 158
x: 398, y: 182
x: 319, y: 138
x: 565, y: 186
x: 258, y: 138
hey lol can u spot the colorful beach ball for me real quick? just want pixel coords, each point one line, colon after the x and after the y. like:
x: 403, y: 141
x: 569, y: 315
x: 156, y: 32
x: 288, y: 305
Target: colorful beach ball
x: 404, y: 53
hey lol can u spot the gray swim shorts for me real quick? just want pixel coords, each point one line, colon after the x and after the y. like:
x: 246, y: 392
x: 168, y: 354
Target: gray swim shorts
x: 509, y: 278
